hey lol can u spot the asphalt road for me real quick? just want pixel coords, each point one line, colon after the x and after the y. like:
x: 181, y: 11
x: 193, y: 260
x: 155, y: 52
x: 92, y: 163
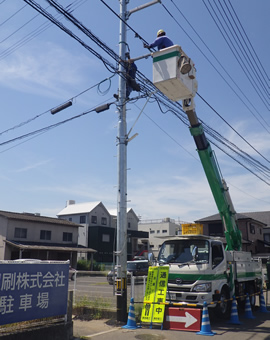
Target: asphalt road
x: 97, y: 290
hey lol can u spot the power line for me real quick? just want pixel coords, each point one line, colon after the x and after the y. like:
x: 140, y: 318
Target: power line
x: 47, y: 111
x: 5, y: 21
x: 47, y: 128
x: 234, y: 51
x: 33, y: 34
x: 147, y: 83
x: 220, y: 64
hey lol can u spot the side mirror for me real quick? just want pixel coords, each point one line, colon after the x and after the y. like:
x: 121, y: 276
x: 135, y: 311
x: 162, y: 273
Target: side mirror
x: 195, y: 253
x: 151, y: 258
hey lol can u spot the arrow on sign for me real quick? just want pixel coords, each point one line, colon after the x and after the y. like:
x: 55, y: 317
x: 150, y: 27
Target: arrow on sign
x: 188, y: 319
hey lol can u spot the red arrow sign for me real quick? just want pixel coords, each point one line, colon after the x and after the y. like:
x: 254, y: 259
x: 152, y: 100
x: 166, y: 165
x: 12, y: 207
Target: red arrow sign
x: 187, y: 319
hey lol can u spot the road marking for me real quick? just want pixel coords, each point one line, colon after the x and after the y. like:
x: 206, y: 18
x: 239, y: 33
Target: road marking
x: 100, y: 333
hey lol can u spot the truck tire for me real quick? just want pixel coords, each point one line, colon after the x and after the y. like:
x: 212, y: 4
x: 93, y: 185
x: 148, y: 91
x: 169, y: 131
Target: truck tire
x: 224, y: 307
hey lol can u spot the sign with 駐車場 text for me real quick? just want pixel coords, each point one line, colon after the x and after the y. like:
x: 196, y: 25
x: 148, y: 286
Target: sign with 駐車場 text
x: 32, y: 291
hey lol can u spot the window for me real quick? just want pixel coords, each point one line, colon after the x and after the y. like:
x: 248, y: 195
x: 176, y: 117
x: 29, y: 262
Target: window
x: 94, y: 219
x: 217, y: 254
x: 129, y: 225
x: 45, y: 235
x: 82, y: 219
x: 67, y: 237
x: 216, y: 229
x: 164, y: 231
x: 252, y: 228
x: 105, y: 238
x: 152, y: 231
x: 20, y: 233
x: 158, y: 231
x: 103, y: 220
x: 70, y: 219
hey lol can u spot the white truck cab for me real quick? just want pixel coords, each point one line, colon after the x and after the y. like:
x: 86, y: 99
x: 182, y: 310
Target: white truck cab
x: 201, y: 270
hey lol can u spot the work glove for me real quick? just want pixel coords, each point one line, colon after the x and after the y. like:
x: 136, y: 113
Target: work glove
x: 146, y: 46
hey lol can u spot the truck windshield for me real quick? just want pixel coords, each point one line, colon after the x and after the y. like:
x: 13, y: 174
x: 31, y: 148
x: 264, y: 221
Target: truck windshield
x: 180, y: 251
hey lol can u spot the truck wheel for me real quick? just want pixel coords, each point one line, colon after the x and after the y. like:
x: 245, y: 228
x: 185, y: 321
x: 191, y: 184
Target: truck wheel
x: 224, y: 307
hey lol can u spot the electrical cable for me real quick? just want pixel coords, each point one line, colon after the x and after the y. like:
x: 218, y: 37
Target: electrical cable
x: 234, y: 51
x: 47, y: 111
x: 43, y: 27
x: 220, y: 64
x: 255, y: 61
x: 254, y: 51
x: 47, y: 128
x: 5, y: 21
x: 147, y: 83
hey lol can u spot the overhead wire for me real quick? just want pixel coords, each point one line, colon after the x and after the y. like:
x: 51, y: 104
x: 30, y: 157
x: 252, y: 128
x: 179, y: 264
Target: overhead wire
x: 15, y: 13
x: 148, y: 84
x: 257, y: 59
x: 48, y: 111
x: 33, y: 34
x: 235, y: 51
x: 47, y: 128
x: 243, y: 39
x: 215, y: 68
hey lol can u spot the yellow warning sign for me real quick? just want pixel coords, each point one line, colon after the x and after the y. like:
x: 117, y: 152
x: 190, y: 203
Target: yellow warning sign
x: 155, y: 293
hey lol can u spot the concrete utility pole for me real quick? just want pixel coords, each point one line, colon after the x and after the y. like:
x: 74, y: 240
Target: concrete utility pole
x: 121, y: 244
x: 121, y: 251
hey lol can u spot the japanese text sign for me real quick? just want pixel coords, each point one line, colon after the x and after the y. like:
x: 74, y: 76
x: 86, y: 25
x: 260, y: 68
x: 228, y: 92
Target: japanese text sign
x: 155, y: 293
x: 32, y: 291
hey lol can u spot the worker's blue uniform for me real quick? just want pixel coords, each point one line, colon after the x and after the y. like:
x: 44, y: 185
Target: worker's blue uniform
x: 161, y: 42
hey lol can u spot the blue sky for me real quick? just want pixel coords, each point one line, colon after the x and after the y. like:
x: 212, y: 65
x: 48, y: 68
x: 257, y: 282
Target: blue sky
x: 77, y: 160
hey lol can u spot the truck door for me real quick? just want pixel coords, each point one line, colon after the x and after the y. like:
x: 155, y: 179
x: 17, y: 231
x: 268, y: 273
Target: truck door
x: 217, y: 254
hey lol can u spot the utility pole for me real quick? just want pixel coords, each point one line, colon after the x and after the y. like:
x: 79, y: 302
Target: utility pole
x: 121, y: 251
x: 121, y: 244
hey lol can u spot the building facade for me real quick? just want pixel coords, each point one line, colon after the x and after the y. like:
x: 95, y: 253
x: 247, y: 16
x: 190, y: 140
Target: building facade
x: 159, y: 230
x: 38, y: 237
x: 99, y: 227
x: 250, y: 224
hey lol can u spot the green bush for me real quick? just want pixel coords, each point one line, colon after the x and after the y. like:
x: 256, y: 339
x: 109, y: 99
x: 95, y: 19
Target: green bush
x: 86, y: 265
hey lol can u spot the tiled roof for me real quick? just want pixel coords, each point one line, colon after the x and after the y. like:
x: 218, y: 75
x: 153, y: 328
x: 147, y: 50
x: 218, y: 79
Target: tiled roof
x: 36, y: 218
x: 260, y: 216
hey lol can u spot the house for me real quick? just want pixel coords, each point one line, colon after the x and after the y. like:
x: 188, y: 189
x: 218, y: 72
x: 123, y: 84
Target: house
x: 158, y: 230
x: 99, y: 227
x: 25, y: 235
x: 137, y: 240
x: 251, y: 226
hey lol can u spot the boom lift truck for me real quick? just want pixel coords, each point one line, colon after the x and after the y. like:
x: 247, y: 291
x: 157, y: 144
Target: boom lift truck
x: 201, y: 269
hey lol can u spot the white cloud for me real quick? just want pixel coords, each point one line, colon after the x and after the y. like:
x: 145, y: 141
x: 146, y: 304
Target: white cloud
x: 34, y: 165
x: 45, y: 69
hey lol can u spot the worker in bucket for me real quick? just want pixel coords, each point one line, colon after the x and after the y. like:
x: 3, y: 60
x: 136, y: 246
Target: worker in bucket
x: 162, y: 41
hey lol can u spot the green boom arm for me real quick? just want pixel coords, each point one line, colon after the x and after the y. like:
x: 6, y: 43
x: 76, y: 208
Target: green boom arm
x: 217, y: 184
